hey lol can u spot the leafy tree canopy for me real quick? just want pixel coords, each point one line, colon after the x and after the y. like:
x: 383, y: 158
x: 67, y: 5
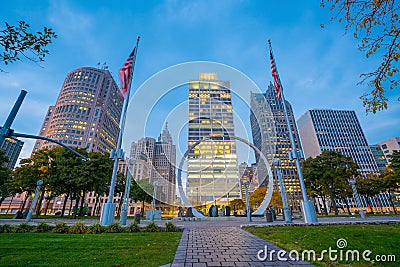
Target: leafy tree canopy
x: 5, y: 176
x: 376, y: 24
x: 18, y: 41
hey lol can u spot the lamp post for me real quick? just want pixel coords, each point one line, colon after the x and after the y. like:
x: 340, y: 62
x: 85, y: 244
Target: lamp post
x: 286, y: 210
x: 352, y: 182
x: 246, y: 188
x: 155, y: 183
x: 35, y: 198
x: 125, y: 203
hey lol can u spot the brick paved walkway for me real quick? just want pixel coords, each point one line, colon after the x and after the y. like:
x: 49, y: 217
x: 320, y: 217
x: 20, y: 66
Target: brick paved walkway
x: 225, y: 246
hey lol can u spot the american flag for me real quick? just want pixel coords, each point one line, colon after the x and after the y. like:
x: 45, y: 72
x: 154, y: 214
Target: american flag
x: 277, y: 82
x: 125, y: 73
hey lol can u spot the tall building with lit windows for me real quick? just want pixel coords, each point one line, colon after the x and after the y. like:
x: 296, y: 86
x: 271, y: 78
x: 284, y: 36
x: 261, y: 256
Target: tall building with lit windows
x: 213, y: 175
x: 336, y: 130
x: 271, y: 136
x: 86, y: 113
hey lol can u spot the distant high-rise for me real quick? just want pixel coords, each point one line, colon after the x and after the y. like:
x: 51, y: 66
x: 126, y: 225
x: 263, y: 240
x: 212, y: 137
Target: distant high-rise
x: 86, y: 113
x: 247, y: 174
x: 390, y: 145
x: 164, y: 165
x: 12, y: 147
x: 337, y: 130
x: 271, y: 136
x: 155, y: 161
x: 379, y: 156
x: 212, y: 165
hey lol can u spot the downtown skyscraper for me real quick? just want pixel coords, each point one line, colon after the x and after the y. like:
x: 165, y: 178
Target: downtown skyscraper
x: 271, y: 136
x: 213, y: 175
x: 155, y: 161
x: 336, y: 130
x: 86, y: 113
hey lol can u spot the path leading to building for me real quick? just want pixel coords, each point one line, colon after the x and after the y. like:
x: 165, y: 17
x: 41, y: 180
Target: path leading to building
x: 222, y: 242
x: 226, y: 246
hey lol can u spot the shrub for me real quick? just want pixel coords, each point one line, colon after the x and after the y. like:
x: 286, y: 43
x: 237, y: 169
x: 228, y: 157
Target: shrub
x: 61, y: 228
x: 152, y: 227
x: 170, y: 227
x: 96, y: 229
x: 78, y: 228
x: 23, y: 228
x: 134, y: 227
x: 8, y: 228
x: 114, y: 228
x: 43, y: 228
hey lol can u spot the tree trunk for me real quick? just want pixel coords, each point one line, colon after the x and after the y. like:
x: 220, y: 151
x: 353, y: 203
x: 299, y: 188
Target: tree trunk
x: 377, y: 200
x: 142, y: 208
x: 82, y: 202
x: 76, y: 206
x: 9, y: 205
x: 391, y: 202
x: 119, y: 207
x: 2, y: 199
x: 47, y: 205
x: 347, y: 206
x: 324, y: 205
x: 64, y: 204
x: 369, y: 205
x: 333, y: 203
x: 70, y: 206
x: 95, y: 205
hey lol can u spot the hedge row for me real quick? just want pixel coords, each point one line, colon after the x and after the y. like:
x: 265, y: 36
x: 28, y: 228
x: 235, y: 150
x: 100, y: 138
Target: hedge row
x: 81, y: 228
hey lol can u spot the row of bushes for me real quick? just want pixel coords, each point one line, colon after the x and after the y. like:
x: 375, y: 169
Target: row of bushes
x: 81, y: 228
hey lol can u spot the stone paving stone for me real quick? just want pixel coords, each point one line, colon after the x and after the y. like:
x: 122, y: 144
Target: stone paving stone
x: 225, y: 246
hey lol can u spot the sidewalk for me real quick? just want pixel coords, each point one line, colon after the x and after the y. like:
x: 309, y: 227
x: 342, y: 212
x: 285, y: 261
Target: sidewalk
x: 222, y: 242
x: 225, y: 246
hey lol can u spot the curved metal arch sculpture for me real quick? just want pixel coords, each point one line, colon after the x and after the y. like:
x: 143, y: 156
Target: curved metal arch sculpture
x: 268, y: 195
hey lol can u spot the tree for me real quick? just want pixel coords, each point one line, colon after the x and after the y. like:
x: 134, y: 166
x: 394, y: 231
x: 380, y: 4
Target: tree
x: 5, y: 176
x: 328, y: 174
x: 369, y: 187
x: 237, y: 204
x: 37, y: 167
x: 17, y: 41
x: 390, y: 182
x: 257, y: 197
x: 276, y: 199
x: 391, y: 177
x: 140, y: 191
x: 376, y: 24
x: 395, y: 162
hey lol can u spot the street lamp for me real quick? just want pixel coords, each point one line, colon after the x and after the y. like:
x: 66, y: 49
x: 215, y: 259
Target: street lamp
x: 155, y: 183
x: 246, y: 188
x: 352, y: 182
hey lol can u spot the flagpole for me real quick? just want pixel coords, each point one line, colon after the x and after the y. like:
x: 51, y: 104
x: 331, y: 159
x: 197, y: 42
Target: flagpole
x: 107, y: 215
x: 308, y: 208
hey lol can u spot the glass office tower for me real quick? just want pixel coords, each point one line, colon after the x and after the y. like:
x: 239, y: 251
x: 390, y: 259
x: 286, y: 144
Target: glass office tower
x: 212, y: 165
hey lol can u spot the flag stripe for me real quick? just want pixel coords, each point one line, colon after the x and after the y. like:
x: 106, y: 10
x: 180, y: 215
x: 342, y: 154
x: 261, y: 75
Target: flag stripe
x: 277, y: 82
x: 125, y: 74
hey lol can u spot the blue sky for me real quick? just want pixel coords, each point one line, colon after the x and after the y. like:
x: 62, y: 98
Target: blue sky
x: 319, y: 68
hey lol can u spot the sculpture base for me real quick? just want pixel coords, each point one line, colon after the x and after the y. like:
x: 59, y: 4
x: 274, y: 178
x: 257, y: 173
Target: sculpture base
x: 309, y: 214
x: 107, y: 214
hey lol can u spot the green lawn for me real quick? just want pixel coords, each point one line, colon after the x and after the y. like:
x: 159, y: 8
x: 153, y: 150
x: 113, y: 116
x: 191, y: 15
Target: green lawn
x: 380, y: 239
x: 125, y: 249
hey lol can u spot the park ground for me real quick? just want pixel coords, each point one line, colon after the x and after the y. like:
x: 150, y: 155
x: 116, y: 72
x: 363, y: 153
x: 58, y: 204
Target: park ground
x: 158, y: 249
